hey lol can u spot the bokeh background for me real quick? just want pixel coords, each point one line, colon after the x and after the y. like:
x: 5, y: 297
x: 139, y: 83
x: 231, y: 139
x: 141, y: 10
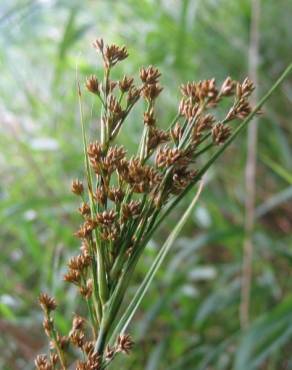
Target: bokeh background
x: 190, y: 318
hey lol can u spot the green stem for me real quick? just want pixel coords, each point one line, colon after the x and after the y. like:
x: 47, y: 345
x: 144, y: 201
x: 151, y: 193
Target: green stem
x: 102, y: 282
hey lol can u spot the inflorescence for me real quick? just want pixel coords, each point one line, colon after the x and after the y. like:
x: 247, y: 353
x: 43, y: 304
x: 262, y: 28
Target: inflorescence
x: 122, y: 198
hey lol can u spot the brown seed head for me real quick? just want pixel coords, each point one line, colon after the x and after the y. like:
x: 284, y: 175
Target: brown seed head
x: 42, y: 363
x: 84, y: 209
x: 100, y: 195
x: 77, y: 338
x: 48, y: 324
x: 149, y: 75
x: 77, y: 187
x: 88, y: 347
x: 94, y: 151
x: 94, y: 361
x: 54, y: 359
x: 133, y: 96
x: 116, y: 194
x: 85, y: 248
x: 203, y: 90
x: 167, y: 157
x: 106, y: 218
x: 73, y: 276
x: 156, y: 138
x: 47, y: 303
x: 99, y: 44
x: 181, y: 178
x: 112, y: 54
x: 110, y: 233
x: 126, y: 83
x: 115, y: 108
x: 86, y: 291
x: 86, y: 229
x: 151, y: 92
x: 149, y: 118
x: 92, y: 85
x: 228, y: 87
x: 246, y: 88
x: 130, y: 209
x: 78, y: 322
x: 124, y: 343
x: 79, y: 262
x: 110, y: 352
x: 220, y: 133
x: 176, y: 132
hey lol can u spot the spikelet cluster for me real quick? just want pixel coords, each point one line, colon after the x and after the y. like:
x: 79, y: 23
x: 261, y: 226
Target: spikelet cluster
x: 122, y: 196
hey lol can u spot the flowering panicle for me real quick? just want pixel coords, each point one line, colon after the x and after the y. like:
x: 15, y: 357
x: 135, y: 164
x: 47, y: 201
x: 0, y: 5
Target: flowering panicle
x: 124, y: 196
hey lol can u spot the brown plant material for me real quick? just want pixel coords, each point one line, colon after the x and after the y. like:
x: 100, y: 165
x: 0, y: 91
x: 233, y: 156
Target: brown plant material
x: 125, y: 343
x: 77, y: 187
x: 47, y: 303
x: 125, y: 197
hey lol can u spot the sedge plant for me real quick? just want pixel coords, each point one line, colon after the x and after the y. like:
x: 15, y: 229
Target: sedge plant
x: 123, y: 200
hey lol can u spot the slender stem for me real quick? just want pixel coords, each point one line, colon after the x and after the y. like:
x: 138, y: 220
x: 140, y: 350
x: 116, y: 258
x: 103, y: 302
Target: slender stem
x: 92, y: 319
x: 173, y: 122
x: 57, y: 347
x: 250, y: 173
x: 102, y: 282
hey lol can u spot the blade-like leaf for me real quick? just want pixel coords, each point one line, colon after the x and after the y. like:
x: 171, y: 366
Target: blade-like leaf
x: 278, y: 169
x: 273, y: 202
x: 142, y: 290
x: 265, y: 336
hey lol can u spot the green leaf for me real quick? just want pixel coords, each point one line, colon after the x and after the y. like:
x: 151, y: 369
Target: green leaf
x: 279, y: 170
x: 274, y: 202
x: 265, y: 336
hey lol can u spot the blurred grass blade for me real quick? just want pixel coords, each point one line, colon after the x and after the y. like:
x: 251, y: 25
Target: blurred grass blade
x: 156, y: 355
x: 265, y: 336
x: 142, y: 290
x: 279, y: 170
x: 273, y: 202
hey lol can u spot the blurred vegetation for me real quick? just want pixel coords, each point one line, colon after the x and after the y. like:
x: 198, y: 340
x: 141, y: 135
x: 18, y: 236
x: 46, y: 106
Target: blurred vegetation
x: 190, y: 318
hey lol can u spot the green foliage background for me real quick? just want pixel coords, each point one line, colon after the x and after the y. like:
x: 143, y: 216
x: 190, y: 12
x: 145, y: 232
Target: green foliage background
x: 190, y: 318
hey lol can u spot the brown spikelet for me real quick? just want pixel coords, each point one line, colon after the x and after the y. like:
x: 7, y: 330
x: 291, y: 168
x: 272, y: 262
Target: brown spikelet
x: 106, y: 218
x: 149, y: 118
x: 228, y: 87
x: 116, y: 194
x: 77, y: 338
x: 220, y: 133
x: 92, y: 85
x: 73, y: 276
x: 149, y: 75
x: 47, y: 303
x: 125, y: 343
x: 126, y: 83
x: 167, y: 157
x: 43, y: 363
x: 77, y: 187
x: 99, y: 44
x: 130, y: 209
x: 84, y: 209
x: 151, y: 92
x: 85, y: 291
